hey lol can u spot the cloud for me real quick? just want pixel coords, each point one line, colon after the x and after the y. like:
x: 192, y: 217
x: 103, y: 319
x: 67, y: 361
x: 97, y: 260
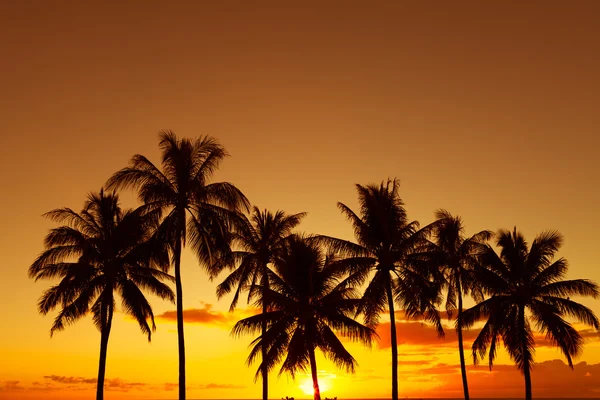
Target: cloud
x: 173, y: 386
x: 207, y: 316
x: 68, y: 379
x: 415, y: 362
x: 122, y: 386
x: 11, y: 386
x: 549, y: 379
x: 401, y: 315
x: 414, y: 333
x: 222, y: 386
x: 420, y: 334
x: 78, y: 383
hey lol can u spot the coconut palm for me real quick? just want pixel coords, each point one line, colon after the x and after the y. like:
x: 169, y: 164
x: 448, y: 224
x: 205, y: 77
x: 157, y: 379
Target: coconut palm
x: 259, y: 239
x: 457, y: 255
x: 307, y: 300
x: 387, y: 248
x: 196, y: 212
x: 520, y: 279
x: 99, y: 253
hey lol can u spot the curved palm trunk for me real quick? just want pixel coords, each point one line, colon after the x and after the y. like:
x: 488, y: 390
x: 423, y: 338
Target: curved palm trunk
x: 393, y: 340
x: 461, y: 352
x: 104, y: 334
x: 313, y: 371
x: 526, y: 355
x: 265, y: 370
x: 180, y: 337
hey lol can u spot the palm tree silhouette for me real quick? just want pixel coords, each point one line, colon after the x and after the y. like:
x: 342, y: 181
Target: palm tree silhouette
x: 388, y: 245
x: 195, y: 209
x: 259, y: 239
x: 308, y: 298
x: 457, y: 256
x: 101, y: 251
x: 518, y: 279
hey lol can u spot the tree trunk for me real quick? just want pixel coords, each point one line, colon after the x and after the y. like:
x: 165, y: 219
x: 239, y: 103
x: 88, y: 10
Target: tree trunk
x: 527, y: 374
x: 461, y: 352
x: 180, y: 337
x: 526, y: 355
x: 265, y: 370
x: 104, y: 334
x: 313, y: 371
x: 390, y: 297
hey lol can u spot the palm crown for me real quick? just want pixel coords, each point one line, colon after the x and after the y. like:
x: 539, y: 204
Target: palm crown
x: 520, y: 279
x: 457, y: 257
x: 307, y: 301
x: 101, y: 251
x: 198, y: 213
x: 182, y: 190
x: 259, y: 239
x: 389, y: 247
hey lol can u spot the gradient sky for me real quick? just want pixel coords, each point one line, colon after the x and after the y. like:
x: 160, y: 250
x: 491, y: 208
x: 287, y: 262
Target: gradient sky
x: 487, y: 109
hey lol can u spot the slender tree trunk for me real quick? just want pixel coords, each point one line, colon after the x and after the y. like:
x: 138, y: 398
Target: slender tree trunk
x: 390, y: 297
x: 527, y: 374
x: 313, y: 371
x: 104, y: 334
x: 265, y: 370
x: 526, y: 355
x: 180, y: 337
x: 461, y: 352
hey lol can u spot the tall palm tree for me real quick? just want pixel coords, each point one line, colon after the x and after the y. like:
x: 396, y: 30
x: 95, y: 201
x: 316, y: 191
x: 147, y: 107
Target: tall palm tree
x: 457, y: 255
x: 308, y: 299
x: 195, y: 209
x: 520, y: 279
x: 259, y: 239
x: 387, y: 243
x: 100, y: 252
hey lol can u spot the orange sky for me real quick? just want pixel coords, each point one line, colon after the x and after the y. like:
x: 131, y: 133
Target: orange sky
x: 487, y: 109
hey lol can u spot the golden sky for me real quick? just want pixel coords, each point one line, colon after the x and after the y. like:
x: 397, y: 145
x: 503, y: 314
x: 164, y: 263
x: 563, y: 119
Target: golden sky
x: 487, y: 109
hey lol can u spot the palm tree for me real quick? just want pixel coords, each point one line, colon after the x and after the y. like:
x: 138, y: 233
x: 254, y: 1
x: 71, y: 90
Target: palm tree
x: 387, y: 245
x: 520, y: 279
x: 307, y: 300
x: 457, y: 255
x: 101, y: 251
x: 195, y: 209
x: 259, y: 240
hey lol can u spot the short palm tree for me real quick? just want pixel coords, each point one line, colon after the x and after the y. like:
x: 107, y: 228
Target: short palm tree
x: 100, y: 252
x: 197, y: 212
x: 457, y: 255
x: 307, y: 301
x: 520, y: 279
x: 259, y: 239
x: 387, y: 244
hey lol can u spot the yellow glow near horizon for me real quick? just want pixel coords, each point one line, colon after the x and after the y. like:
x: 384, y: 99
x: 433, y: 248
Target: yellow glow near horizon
x: 307, y: 386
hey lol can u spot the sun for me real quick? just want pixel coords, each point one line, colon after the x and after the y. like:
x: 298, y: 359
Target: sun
x: 307, y: 386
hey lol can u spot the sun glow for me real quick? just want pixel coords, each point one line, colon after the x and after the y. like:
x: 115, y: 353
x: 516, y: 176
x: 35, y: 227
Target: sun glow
x: 307, y: 386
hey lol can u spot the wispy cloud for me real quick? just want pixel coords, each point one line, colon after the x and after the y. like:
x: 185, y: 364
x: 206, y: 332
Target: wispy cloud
x: 53, y: 383
x: 207, y: 316
x: 415, y: 333
x: 221, y: 386
x: 173, y: 386
x: 549, y: 379
x: 69, y: 379
x: 11, y: 386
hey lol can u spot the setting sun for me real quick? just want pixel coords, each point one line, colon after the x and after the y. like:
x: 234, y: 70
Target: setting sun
x: 307, y: 386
